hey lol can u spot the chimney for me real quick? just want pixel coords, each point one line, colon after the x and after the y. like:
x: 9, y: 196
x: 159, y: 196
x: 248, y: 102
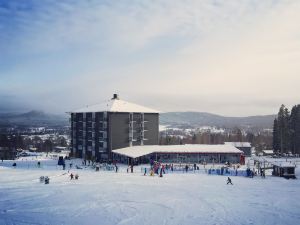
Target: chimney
x: 115, y: 96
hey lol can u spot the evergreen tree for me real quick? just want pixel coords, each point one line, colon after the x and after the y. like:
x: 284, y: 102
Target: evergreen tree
x: 283, y: 128
x: 295, y: 129
x: 48, y: 145
x: 276, y: 136
x: 287, y: 133
x: 194, y: 139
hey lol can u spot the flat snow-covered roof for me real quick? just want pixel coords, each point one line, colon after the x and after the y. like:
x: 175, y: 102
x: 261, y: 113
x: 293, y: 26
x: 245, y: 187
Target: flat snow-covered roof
x: 115, y: 105
x: 268, y: 151
x: 239, y: 144
x: 141, y: 150
x: 284, y: 164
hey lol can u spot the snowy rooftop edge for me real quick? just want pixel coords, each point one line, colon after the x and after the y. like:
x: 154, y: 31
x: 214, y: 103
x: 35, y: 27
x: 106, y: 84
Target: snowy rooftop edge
x: 238, y: 144
x: 115, y: 105
x: 284, y: 164
x: 268, y: 151
x: 137, y: 151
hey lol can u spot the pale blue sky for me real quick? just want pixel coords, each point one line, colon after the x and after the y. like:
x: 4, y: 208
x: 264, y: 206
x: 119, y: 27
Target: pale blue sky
x: 227, y: 57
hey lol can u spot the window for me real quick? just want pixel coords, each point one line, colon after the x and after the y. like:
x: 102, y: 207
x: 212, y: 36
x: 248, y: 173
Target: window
x: 104, y: 125
x: 103, y: 144
x: 103, y: 135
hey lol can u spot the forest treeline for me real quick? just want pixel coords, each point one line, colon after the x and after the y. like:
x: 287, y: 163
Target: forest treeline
x: 286, y: 130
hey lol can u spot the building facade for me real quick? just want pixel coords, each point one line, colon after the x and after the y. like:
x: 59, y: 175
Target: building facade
x: 99, y: 129
x: 243, y: 146
x: 7, y: 153
x: 190, y: 153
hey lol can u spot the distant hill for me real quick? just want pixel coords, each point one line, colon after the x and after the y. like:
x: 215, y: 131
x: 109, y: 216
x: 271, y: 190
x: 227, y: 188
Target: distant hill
x: 36, y: 118
x: 196, y: 119
x: 33, y: 118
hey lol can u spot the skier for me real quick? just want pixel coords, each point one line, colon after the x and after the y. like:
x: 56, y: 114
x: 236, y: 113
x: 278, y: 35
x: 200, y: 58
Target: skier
x: 131, y: 167
x: 229, y: 181
x: 116, y: 168
x: 145, y: 171
x: 71, y: 176
x: 186, y: 168
x: 47, y: 179
x: 160, y: 174
x: 42, y: 179
x: 163, y: 169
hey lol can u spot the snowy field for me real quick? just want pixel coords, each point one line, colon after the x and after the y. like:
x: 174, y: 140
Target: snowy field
x: 111, y: 198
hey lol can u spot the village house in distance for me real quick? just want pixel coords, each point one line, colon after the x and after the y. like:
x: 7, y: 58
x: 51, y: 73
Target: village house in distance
x: 128, y: 132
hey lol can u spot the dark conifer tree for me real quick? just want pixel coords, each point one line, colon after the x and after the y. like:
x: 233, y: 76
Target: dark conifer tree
x: 295, y: 129
x: 287, y: 133
x: 276, y: 136
x: 283, y: 129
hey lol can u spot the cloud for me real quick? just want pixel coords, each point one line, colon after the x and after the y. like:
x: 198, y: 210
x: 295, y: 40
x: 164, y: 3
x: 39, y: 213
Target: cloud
x: 233, y: 57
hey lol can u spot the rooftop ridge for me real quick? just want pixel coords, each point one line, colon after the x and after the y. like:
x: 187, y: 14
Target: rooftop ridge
x: 115, y: 105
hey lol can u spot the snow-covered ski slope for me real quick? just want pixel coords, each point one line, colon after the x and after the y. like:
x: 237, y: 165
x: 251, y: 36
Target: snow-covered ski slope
x: 111, y: 198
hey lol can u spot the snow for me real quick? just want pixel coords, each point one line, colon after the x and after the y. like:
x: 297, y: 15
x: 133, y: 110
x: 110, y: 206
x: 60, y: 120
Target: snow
x: 140, y: 150
x: 268, y: 151
x: 162, y: 127
x: 111, y: 198
x: 116, y: 105
x: 239, y: 144
x: 211, y: 129
x: 277, y: 161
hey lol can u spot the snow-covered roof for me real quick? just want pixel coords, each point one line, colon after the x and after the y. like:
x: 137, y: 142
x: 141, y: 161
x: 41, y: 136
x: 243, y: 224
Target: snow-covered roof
x: 284, y: 164
x: 268, y: 151
x: 137, y: 151
x: 281, y: 162
x: 115, y: 105
x: 239, y: 144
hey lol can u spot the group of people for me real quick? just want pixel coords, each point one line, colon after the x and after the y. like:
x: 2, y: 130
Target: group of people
x: 72, y: 176
x: 130, y: 168
x: 158, y: 168
x: 88, y: 162
x: 262, y: 173
x: 45, y: 179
